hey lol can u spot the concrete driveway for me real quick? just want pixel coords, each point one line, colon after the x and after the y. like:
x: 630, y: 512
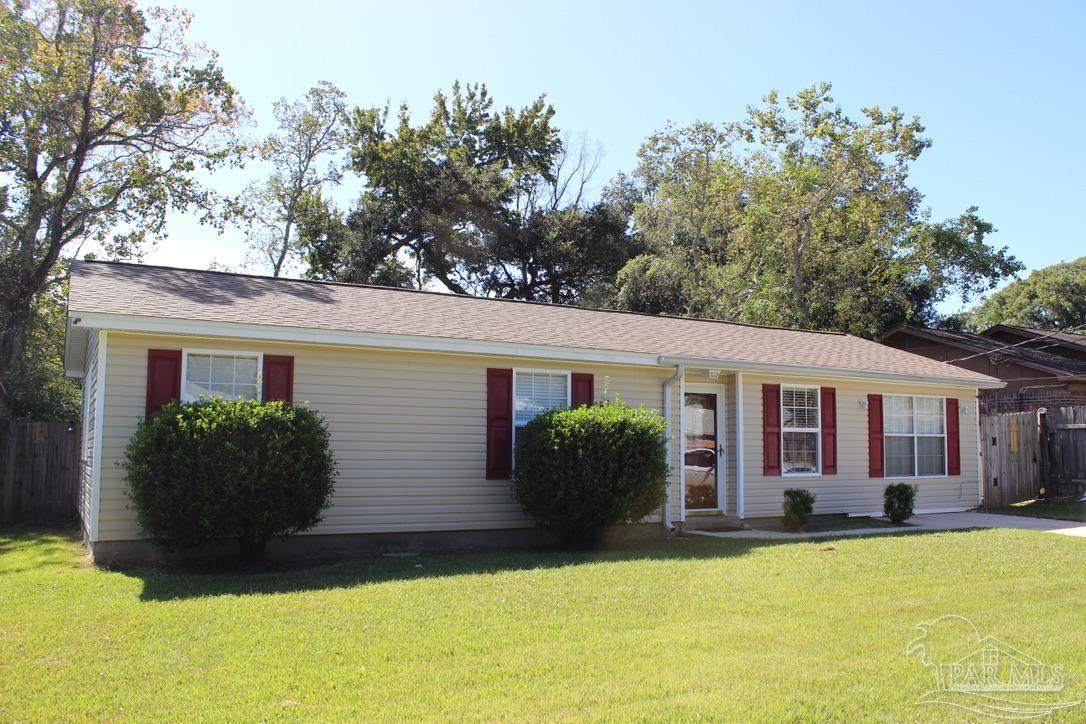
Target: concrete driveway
x: 920, y: 523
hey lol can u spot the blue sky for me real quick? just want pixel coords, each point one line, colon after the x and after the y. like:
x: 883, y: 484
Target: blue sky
x: 999, y: 86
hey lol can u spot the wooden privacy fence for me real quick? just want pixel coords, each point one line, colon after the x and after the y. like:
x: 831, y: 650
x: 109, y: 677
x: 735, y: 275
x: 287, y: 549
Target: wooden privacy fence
x: 39, y: 471
x: 1010, y: 446
x: 1023, y: 453
x: 1064, y: 446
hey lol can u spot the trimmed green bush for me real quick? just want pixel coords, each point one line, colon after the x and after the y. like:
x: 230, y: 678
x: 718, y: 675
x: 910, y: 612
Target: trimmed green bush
x: 898, y: 502
x: 579, y: 471
x: 798, y: 506
x: 217, y: 470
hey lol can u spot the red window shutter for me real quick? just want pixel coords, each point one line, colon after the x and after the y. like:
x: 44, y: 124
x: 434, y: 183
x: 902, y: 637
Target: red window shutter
x: 953, y: 438
x: 163, y: 379
x: 771, y: 429
x: 499, y: 424
x: 874, y: 436
x: 828, y: 412
x: 581, y: 392
x: 278, y: 377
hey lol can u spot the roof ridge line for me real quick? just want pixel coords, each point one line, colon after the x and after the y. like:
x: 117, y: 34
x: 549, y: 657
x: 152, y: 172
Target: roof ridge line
x: 139, y: 265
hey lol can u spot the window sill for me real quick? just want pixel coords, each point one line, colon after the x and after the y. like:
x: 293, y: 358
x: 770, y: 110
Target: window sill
x: 919, y: 477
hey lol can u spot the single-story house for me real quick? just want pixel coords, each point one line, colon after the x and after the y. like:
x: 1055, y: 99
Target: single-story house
x: 423, y: 393
x: 1040, y: 369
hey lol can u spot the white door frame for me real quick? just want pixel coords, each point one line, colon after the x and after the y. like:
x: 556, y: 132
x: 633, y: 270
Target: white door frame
x: 717, y: 389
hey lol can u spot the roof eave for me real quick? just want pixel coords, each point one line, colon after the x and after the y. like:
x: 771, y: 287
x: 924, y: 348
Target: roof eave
x: 161, y: 325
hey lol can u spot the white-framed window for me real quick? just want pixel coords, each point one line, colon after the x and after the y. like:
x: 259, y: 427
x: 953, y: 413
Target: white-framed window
x: 801, y: 430
x: 217, y: 373
x: 535, y: 392
x: 914, y: 436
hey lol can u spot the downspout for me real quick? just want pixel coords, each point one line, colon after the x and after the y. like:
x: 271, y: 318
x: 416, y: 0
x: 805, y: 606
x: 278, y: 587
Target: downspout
x: 680, y: 369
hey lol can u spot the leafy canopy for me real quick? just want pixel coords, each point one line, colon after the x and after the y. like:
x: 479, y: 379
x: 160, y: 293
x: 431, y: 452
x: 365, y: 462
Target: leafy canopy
x: 482, y: 201
x: 799, y: 216
x: 304, y: 155
x: 105, y: 113
x: 1050, y: 298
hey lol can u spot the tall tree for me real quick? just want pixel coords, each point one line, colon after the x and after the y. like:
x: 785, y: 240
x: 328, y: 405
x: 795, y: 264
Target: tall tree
x: 35, y: 378
x: 480, y: 201
x: 1050, y: 298
x: 105, y: 112
x: 303, y: 155
x: 804, y: 217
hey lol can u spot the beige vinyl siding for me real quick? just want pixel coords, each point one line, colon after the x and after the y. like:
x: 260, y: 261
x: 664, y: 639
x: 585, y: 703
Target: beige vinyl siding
x: 86, y: 445
x: 407, y: 430
x: 851, y: 490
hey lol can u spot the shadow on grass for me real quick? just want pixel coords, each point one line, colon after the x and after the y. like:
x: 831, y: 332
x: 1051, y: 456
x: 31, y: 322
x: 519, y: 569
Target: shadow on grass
x: 168, y: 585
x: 29, y: 547
x: 172, y: 585
x: 35, y: 548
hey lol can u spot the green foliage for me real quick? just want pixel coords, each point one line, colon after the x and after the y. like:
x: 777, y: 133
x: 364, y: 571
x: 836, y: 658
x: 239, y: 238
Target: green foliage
x: 108, y: 119
x: 578, y: 471
x: 798, y: 506
x: 304, y: 154
x: 1050, y: 298
x: 799, y: 216
x: 35, y: 381
x: 485, y: 202
x: 216, y: 470
x: 898, y: 501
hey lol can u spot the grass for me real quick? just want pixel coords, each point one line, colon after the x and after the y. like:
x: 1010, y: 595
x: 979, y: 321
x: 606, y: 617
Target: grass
x: 830, y: 523
x: 1061, y: 509
x: 683, y: 629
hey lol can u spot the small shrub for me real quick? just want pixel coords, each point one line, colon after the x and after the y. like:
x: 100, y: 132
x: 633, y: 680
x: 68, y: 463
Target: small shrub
x: 217, y: 470
x: 578, y: 471
x: 899, y: 499
x: 798, y: 506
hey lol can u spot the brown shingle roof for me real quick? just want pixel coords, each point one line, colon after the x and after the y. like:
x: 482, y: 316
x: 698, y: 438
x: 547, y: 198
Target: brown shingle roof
x: 139, y: 290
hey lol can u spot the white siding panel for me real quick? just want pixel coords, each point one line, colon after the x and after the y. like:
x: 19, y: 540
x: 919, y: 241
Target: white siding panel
x: 90, y: 422
x: 851, y: 490
x: 407, y: 428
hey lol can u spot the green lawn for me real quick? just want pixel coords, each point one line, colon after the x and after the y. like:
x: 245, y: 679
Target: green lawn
x: 1057, y: 509
x: 684, y: 629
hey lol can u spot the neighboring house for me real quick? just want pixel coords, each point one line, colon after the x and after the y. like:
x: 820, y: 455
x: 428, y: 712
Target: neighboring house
x: 1041, y: 369
x: 1063, y: 344
x: 423, y: 394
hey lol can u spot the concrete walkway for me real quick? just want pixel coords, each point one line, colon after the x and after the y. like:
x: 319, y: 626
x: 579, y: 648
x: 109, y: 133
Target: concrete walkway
x: 922, y: 523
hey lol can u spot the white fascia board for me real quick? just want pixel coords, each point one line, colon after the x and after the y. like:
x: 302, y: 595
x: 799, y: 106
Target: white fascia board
x: 75, y: 350
x: 832, y: 373
x: 306, y: 335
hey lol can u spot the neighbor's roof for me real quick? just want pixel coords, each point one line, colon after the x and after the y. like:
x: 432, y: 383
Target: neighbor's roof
x: 996, y: 351
x: 1069, y: 339
x: 167, y: 294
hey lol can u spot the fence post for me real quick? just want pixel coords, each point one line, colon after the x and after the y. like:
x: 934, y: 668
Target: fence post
x: 7, y: 472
